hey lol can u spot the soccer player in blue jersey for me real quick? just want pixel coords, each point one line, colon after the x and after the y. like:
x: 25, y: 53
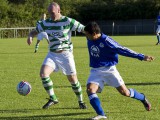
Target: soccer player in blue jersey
x: 158, y: 29
x: 103, y: 53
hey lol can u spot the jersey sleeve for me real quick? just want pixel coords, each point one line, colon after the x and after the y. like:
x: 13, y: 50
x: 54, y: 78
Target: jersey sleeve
x: 39, y: 27
x: 76, y: 26
x: 124, y: 51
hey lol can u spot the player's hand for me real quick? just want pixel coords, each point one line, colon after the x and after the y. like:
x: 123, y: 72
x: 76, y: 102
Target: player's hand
x: 148, y: 58
x: 30, y: 36
x: 29, y: 40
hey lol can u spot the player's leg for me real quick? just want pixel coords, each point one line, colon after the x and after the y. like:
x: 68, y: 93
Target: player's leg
x: 158, y: 38
x: 92, y: 88
x: 77, y: 89
x: 37, y: 46
x: 67, y: 65
x: 95, y: 83
x: 114, y: 79
x: 135, y: 95
x: 47, y: 68
x: 48, y: 85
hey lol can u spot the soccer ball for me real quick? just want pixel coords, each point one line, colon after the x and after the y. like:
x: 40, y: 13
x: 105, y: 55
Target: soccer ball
x: 23, y: 88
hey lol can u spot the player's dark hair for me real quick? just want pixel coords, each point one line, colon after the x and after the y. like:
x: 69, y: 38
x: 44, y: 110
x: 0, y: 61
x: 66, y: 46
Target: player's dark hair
x: 92, y: 27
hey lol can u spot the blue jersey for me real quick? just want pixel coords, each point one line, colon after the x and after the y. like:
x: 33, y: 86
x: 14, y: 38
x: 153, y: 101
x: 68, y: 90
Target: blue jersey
x: 158, y: 20
x: 104, y: 52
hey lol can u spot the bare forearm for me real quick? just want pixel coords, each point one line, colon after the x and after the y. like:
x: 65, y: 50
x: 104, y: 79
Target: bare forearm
x: 30, y: 36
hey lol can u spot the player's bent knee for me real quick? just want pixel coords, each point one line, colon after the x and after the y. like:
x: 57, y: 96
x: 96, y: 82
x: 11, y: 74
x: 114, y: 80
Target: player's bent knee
x: 72, y: 78
x: 125, y: 93
x: 92, y: 88
x: 43, y: 75
x: 88, y: 91
x: 91, y: 91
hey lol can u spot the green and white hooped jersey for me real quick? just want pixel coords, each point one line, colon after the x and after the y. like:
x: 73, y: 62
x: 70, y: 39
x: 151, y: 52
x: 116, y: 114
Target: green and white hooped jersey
x: 59, y: 32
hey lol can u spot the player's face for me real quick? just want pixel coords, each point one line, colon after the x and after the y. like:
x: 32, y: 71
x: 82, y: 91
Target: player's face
x: 88, y: 35
x: 91, y: 36
x: 53, y: 12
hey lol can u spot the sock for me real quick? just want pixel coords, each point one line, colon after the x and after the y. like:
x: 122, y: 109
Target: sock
x: 48, y: 86
x: 96, y: 104
x: 78, y: 91
x: 158, y: 38
x: 136, y: 95
x: 36, y: 46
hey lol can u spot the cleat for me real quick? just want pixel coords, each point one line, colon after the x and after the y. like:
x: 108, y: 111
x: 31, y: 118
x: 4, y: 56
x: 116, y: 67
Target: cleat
x: 99, y: 117
x: 146, y: 104
x: 49, y: 103
x: 82, y: 105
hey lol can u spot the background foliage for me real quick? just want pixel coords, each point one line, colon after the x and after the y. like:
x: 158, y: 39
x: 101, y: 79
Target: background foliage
x: 25, y: 13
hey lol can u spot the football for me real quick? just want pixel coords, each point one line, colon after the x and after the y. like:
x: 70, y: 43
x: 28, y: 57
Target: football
x: 23, y: 88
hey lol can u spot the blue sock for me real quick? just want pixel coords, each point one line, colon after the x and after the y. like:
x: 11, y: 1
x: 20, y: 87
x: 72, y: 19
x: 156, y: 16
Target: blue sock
x: 96, y: 104
x: 136, y: 95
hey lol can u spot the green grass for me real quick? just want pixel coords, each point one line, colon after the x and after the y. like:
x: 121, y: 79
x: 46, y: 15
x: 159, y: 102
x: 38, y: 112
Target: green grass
x: 19, y: 62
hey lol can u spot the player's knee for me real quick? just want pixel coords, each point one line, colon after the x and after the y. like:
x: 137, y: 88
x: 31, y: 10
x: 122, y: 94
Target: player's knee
x: 125, y: 93
x: 72, y: 79
x: 90, y: 90
x: 43, y: 75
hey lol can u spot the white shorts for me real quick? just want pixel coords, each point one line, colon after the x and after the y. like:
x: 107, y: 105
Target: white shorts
x: 158, y: 30
x: 42, y: 35
x: 105, y: 75
x: 61, y: 61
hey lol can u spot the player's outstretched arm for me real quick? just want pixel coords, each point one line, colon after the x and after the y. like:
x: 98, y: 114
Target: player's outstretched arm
x: 30, y: 36
x: 148, y: 58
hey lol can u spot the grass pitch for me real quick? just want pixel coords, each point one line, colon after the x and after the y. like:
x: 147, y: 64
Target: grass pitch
x: 19, y: 62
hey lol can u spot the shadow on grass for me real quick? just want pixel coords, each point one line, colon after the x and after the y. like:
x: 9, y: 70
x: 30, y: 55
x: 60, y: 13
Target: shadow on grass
x: 48, y: 117
x: 138, y: 84
x: 142, y: 45
x: 18, y: 111
x: 146, y: 83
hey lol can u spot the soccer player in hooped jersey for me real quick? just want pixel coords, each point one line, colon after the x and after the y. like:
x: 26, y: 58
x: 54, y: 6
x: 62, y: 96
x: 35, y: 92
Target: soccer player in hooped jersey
x: 158, y: 29
x: 41, y: 35
x: 103, y: 53
x: 60, y: 54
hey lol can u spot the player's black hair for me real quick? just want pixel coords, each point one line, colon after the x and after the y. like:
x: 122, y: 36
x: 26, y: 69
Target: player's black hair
x: 92, y: 27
